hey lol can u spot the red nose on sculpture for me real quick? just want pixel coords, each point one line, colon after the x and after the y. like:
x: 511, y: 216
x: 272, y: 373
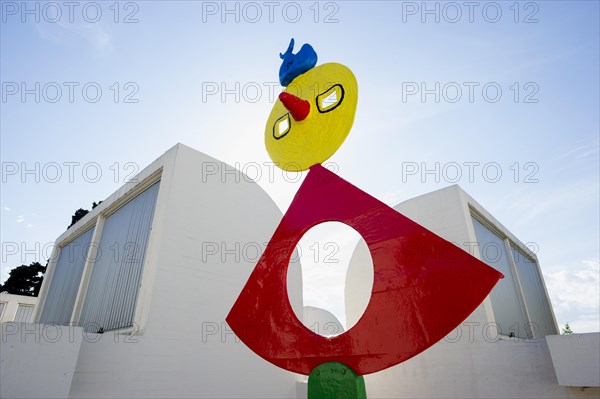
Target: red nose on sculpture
x: 298, y: 107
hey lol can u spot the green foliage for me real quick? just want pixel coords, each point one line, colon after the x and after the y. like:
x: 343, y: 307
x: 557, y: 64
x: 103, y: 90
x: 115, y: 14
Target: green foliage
x: 79, y: 213
x: 567, y: 329
x: 25, y: 280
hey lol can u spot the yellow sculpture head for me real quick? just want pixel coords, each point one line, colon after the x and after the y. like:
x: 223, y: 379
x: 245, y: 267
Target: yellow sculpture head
x: 312, y: 117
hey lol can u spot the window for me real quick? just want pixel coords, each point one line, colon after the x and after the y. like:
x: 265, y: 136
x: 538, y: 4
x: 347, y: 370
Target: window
x: 534, y: 293
x: 508, y: 313
x: 24, y: 313
x: 66, y: 278
x: 115, y: 277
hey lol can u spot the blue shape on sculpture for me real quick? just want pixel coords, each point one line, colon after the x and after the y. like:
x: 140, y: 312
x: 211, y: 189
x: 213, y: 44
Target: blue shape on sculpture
x: 296, y: 64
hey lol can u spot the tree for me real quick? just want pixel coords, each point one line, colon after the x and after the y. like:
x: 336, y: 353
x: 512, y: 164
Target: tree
x: 567, y: 329
x: 79, y: 213
x: 24, y: 280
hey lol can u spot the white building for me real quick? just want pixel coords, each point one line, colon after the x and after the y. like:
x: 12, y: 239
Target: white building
x: 18, y: 308
x: 155, y: 267
x: 136, y: 294
x: 500, y: 351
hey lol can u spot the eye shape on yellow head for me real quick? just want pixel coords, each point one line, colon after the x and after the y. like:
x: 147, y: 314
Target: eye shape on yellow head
x: 282, y: 127
x: 330, y: 99
x: 296, y: 144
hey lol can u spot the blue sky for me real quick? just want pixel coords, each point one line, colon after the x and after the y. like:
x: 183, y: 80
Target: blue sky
x: 140, y: 76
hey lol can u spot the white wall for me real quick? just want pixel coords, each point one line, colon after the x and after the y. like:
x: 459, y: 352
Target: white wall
x: 358, y: 275
x: 459, y: 368
x: 576, y: 358
x: 37, y: 361
x: 321, y: 321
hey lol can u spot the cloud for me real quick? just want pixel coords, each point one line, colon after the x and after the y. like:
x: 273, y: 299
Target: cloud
x: 7, y: 209
x: 575, y: 295
x: 584, y: 324
x: 20, y: 219
x: 536, y: 204
x: 580, y: 151
x: 64, y: 34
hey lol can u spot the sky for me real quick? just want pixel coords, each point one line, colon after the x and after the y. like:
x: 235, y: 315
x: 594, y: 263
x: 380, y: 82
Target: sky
x: 501, y: 98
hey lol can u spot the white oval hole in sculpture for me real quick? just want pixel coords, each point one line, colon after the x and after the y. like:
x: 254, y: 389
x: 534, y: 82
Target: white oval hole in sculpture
x: 325, y: 252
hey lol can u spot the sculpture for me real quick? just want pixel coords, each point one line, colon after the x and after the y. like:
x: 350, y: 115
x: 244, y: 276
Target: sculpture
x: 421, y: 281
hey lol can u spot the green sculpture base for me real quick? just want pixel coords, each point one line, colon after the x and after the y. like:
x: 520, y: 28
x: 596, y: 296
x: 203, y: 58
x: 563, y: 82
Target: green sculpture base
x: 335, y: 380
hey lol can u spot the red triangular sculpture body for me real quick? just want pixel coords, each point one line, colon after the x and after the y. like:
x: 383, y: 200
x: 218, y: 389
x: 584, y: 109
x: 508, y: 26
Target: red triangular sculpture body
x: 423, y: 288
